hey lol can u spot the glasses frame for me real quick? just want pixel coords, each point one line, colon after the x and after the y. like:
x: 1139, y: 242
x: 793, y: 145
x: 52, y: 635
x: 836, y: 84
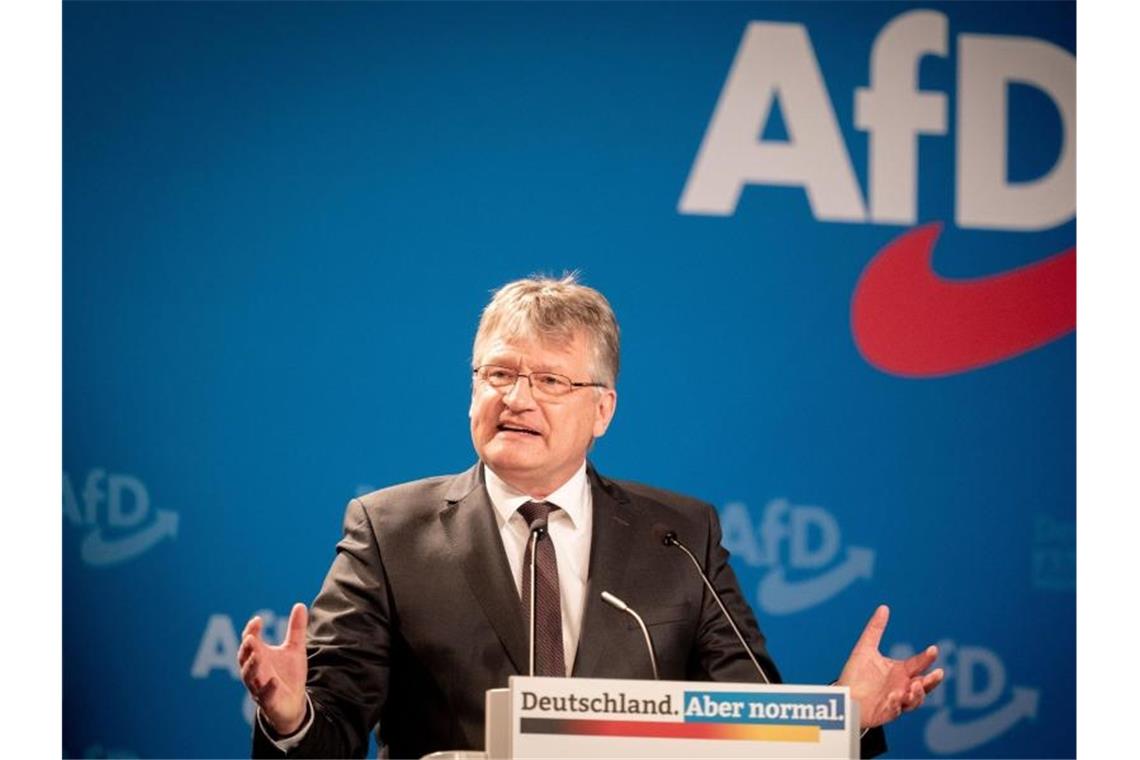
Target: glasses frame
x: 537, y: 390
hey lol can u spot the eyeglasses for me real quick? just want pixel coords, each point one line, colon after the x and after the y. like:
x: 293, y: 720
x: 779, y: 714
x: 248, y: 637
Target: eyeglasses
x: 547, y: 384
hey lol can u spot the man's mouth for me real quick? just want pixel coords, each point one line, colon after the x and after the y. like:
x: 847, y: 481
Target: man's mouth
x: 512, y: 428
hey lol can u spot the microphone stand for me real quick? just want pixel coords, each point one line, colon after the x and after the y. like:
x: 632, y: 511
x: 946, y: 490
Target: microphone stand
x: 538, y: 530
x: 616, y: 603
x: 670, y: 539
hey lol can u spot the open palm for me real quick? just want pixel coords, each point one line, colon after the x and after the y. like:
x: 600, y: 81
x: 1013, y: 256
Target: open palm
x: 275, y: 675
x: 885, y: 688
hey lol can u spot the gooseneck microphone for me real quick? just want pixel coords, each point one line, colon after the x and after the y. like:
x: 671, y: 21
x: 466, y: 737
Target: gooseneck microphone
x: 537, y: 531
x: 616, y: 603
x: 668, y: 537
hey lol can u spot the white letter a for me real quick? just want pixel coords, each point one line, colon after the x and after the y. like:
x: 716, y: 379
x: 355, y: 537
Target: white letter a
x: 774, y: 59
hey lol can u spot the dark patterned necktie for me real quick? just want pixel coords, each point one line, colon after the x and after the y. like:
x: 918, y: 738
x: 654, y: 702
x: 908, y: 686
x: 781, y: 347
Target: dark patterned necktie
x: 549, y: 659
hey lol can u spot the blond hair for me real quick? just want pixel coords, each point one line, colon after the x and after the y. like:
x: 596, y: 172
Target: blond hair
x: 554, y: 310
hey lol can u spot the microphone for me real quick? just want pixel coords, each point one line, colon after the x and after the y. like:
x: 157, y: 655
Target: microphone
x: 664, y: 534
x: 668, y: 537
x: 616, y: 603
x: 537, y: 531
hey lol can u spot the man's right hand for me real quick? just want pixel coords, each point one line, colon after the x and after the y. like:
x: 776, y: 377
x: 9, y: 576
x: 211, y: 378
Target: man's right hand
x: 275, y: 675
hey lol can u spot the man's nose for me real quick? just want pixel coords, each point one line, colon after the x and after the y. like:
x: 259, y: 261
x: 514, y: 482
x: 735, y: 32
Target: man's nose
x: 520, y: 395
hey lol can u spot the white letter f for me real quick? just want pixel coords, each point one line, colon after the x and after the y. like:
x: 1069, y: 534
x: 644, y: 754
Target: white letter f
x: 893, y: 110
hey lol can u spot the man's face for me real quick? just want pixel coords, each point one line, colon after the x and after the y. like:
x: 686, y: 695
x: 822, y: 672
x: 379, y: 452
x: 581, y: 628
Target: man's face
x: 536, y: 443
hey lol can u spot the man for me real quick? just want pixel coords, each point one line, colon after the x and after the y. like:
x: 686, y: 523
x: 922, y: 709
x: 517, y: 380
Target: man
x: 422, y: 610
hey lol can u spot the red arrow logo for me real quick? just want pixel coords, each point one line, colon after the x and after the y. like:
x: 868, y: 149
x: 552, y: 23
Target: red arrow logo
x: 907, y: 320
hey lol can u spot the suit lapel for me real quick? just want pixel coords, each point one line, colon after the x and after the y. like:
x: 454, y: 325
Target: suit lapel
x: 613, y: 532
x: 469, y: 522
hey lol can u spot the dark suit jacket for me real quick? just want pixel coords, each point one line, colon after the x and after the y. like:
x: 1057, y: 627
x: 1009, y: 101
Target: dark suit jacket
x: 419, y: 614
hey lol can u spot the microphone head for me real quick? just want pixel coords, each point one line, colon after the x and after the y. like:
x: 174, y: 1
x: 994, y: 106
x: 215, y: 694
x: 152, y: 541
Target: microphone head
x: 539, y: 526
x: 613, y: 601
x: 664, y: 534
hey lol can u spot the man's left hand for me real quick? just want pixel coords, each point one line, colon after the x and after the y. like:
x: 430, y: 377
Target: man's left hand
x: 884, y: 688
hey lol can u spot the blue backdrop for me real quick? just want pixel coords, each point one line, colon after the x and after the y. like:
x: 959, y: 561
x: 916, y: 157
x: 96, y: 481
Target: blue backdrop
x: 282, y: 220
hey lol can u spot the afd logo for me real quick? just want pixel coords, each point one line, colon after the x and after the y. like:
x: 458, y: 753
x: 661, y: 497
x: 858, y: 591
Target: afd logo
x: 120, y: 530
x: 817, y: 567
x: 905, y: 318
x: 218, y: 647
x: 972, y: 707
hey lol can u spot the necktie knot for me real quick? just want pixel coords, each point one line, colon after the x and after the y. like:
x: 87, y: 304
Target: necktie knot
x: 536, y: 513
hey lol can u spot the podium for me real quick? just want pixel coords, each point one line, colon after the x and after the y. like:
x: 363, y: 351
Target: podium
x: 602, y: 717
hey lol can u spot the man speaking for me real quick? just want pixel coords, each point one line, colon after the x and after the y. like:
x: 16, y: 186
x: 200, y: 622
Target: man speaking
x: 427, y: 603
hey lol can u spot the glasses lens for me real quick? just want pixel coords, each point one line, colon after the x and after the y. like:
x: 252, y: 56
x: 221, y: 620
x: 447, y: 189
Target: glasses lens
x: 497, y: 377
x: 550, y: 384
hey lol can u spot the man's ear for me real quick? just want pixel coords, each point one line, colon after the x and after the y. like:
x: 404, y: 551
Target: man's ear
x: 606, y: 406
x: 471, y: 406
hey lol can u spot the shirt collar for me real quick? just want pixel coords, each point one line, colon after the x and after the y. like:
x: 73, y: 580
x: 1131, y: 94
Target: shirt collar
x: 571, y: 497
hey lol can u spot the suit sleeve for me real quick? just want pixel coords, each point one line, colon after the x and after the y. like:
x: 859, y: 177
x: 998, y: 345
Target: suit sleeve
x: 718, y: 656
x: 348, y: 649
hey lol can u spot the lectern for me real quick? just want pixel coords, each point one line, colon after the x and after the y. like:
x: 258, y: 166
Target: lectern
x: 603, y: 717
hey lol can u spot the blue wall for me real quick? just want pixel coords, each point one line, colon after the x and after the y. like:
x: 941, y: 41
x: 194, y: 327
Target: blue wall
x: 282, y: 220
